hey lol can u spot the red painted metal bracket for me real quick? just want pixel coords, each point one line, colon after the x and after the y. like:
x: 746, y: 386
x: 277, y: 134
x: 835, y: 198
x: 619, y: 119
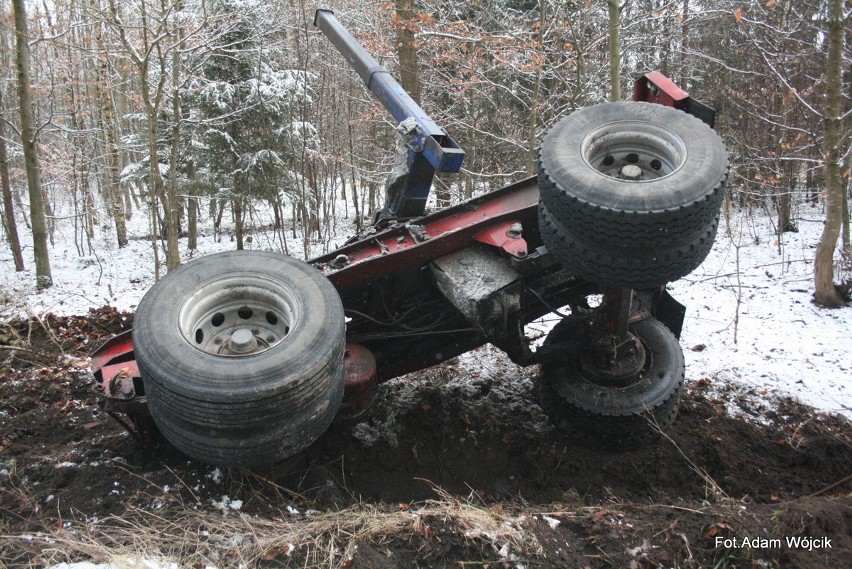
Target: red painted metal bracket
x: 654, y: 87
x: 506, y: 236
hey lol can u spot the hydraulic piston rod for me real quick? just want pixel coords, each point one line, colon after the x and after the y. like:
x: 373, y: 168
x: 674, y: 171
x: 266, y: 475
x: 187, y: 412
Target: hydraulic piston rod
x: 429, y: 148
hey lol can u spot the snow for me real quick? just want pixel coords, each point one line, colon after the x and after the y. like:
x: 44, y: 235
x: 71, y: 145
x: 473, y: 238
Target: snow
x: 226, y: 504
x: 755, y: 328
x: 777, y: 342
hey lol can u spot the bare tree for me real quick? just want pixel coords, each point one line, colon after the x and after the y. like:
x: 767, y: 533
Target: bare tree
x: 825, y: 291
x: 44, y: 278
x: 149, y: 55
x: 614, y: 10
x: 9, y: 222
x: 112, y: 160
x: 409, y: 68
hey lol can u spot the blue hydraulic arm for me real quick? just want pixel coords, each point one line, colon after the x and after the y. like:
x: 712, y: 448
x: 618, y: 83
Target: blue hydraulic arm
x: 429, y: 148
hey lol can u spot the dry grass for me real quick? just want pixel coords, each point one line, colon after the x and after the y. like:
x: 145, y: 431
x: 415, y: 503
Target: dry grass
x: 192, y: 538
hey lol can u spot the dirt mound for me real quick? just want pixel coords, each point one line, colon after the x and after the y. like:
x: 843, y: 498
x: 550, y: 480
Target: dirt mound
x: 456, y: 466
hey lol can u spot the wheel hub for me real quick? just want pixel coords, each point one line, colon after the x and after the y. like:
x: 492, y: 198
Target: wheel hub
x: 634, y: 151
x: 608, y: 365
x: 238, y: 316
x: 242, y: 342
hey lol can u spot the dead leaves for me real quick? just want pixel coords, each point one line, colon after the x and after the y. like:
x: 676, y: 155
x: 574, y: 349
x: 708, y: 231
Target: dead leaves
x: 425, y: 531
x: 719, y: 528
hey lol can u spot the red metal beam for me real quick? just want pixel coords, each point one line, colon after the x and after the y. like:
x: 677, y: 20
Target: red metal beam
x: 411, y: 245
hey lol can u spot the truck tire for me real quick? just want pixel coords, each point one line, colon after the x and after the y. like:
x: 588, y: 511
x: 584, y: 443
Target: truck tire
x: 241, y: 356
x: 622, y: 417
x: 634, y: 187
x: 633, y: 174
x: 623, y: 267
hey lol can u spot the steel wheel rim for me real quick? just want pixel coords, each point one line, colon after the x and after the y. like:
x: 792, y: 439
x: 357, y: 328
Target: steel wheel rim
x: 633, y: 151
x: 238, y: 316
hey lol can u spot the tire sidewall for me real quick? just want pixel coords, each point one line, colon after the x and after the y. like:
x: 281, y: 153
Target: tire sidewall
x: 703, y: 168
x: 175, y: 365
x: 661, y: 379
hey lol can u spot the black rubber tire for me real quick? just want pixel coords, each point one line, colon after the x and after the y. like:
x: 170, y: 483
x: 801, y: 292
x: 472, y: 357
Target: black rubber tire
x: 619, y: 417
x: 674, y: 205
x: 624, y: 267
x: 247, y: 410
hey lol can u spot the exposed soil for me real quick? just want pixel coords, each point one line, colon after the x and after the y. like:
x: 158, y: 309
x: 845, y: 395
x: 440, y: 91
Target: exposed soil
x: 453, y: 467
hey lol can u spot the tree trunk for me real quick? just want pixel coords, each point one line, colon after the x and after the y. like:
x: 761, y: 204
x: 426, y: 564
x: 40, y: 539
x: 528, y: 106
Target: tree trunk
x: 825, y: 292
x: 37, y: 207
x: 614, y: 10
x: 112, y: 175
x: 844, y: 234
x: 684, y: 47
x: 173, y: 201
x: 532, y: 141
x: 8, y: 207
x: 238, y: 221
x: 192, y: 223
x: 192, y: 211
x: 409, y: 72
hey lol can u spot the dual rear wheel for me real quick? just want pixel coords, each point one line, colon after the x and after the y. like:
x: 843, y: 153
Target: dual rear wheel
x: 241, y: 356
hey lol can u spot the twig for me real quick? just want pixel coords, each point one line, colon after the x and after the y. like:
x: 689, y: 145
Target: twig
x: 831, y: 486
x: 19, y: 349
x: 695, y: 468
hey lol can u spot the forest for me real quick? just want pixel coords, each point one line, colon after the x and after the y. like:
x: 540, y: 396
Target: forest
x: 214, y: 109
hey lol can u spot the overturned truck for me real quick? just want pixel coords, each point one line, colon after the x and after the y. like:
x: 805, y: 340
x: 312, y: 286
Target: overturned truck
x: 244, y: 358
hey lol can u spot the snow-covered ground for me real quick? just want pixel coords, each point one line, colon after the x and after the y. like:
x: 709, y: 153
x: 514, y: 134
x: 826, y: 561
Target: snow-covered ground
x: 750, y: 319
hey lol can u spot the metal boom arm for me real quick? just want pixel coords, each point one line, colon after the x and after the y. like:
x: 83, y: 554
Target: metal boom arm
x: 429, y: 148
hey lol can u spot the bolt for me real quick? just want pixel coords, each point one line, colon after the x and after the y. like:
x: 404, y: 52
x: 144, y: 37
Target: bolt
x: 270, y: 338
x: 631, y: 172
x: 255, y: 331
x: 217, y: 340
x: 515, y: 230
